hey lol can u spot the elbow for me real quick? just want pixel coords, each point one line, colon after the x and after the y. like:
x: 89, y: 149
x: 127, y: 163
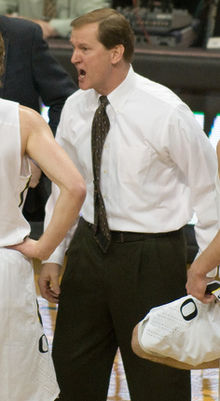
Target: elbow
x: 78, y: 191
x: 81, y: 191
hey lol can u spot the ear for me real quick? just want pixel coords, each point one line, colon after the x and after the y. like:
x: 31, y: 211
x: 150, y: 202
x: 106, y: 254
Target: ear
x: 117, y: 53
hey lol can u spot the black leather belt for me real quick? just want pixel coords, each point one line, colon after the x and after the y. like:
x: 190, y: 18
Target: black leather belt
x: 127, y: 236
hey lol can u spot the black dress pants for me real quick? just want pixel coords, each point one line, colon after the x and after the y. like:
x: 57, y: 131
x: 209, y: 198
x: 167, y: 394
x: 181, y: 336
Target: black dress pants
x: 103, y: 296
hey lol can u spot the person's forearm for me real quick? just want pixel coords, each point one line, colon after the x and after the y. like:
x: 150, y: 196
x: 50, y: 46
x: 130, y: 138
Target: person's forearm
x: 65, y: 212
x: 209, y: 258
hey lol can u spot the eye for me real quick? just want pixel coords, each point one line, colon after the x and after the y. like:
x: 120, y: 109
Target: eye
x: 83, y: 47
x: 71, y: 44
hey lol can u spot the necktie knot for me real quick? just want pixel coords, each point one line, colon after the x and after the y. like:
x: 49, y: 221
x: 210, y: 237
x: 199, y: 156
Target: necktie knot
x: 104, y: 101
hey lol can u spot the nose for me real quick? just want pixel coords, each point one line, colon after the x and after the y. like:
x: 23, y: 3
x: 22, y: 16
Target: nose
x: 75, y: 56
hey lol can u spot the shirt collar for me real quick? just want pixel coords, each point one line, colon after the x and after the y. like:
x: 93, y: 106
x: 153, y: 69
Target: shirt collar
x: 119, y: 95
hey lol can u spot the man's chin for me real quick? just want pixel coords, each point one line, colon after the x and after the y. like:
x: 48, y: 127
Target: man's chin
x: 83, y: 85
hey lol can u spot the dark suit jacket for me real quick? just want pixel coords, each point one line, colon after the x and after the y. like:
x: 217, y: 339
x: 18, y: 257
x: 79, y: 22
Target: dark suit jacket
x: 31, y: 72
x: 33, y: 76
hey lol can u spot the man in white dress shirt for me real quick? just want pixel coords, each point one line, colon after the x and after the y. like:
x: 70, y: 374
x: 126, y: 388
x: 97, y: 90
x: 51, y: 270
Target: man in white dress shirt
x: 157, y: 169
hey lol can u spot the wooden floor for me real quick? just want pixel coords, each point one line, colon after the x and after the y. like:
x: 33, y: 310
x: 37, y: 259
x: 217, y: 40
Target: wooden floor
x: 204, y: 382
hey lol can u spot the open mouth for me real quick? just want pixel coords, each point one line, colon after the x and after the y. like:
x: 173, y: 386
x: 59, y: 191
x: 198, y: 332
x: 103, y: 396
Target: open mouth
x: 81, y: 73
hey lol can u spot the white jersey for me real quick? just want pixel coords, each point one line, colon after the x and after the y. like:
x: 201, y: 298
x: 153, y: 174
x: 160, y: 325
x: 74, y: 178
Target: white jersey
x: 15, y: 175
x: 27, y: 371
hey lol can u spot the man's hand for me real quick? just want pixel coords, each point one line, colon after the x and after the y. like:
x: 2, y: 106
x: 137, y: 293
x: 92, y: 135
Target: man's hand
x: 29, y: 248
x: 49, y: 282
x: 197, y: 283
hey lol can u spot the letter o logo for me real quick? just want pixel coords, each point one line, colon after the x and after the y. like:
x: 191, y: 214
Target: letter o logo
x: 43, y: 344
x: 188, y: 309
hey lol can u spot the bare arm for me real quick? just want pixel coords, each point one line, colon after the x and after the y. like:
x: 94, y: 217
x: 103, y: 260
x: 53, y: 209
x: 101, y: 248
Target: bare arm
x: 208, y: 260
x: 197, y: 279
x: 38, y: 142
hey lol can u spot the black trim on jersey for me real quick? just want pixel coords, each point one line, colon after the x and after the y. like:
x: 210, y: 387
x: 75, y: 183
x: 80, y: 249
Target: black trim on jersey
x: 22, y: 193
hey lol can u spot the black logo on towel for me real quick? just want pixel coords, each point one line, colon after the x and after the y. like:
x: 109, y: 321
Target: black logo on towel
x: 188, y: 311
x: 43, y: 344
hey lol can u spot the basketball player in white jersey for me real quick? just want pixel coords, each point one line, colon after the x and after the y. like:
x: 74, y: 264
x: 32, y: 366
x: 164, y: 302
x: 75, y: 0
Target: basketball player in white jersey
x: 26, y: 369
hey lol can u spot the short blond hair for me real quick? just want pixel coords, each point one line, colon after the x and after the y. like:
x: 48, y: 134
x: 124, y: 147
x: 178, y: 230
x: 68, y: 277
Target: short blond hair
x: 114, y: 29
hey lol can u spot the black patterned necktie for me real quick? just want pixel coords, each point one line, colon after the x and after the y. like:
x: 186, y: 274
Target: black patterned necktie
x: 100, y: 128
x: 49, y: 9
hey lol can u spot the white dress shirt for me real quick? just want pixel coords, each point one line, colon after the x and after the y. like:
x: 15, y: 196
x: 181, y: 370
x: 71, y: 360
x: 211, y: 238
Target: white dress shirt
x: 158, y: 167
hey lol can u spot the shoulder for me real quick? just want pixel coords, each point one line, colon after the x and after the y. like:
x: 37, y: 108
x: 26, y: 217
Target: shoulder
x: 32, y: 124
x: 156, y: 90
x: 29, y: 116
x: 76, y: 109
x: 156, y: 95
x: 79, y: 98
x: 19, y: 28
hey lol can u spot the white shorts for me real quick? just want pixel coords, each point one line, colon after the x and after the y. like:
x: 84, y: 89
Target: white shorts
x: 26, y: 368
